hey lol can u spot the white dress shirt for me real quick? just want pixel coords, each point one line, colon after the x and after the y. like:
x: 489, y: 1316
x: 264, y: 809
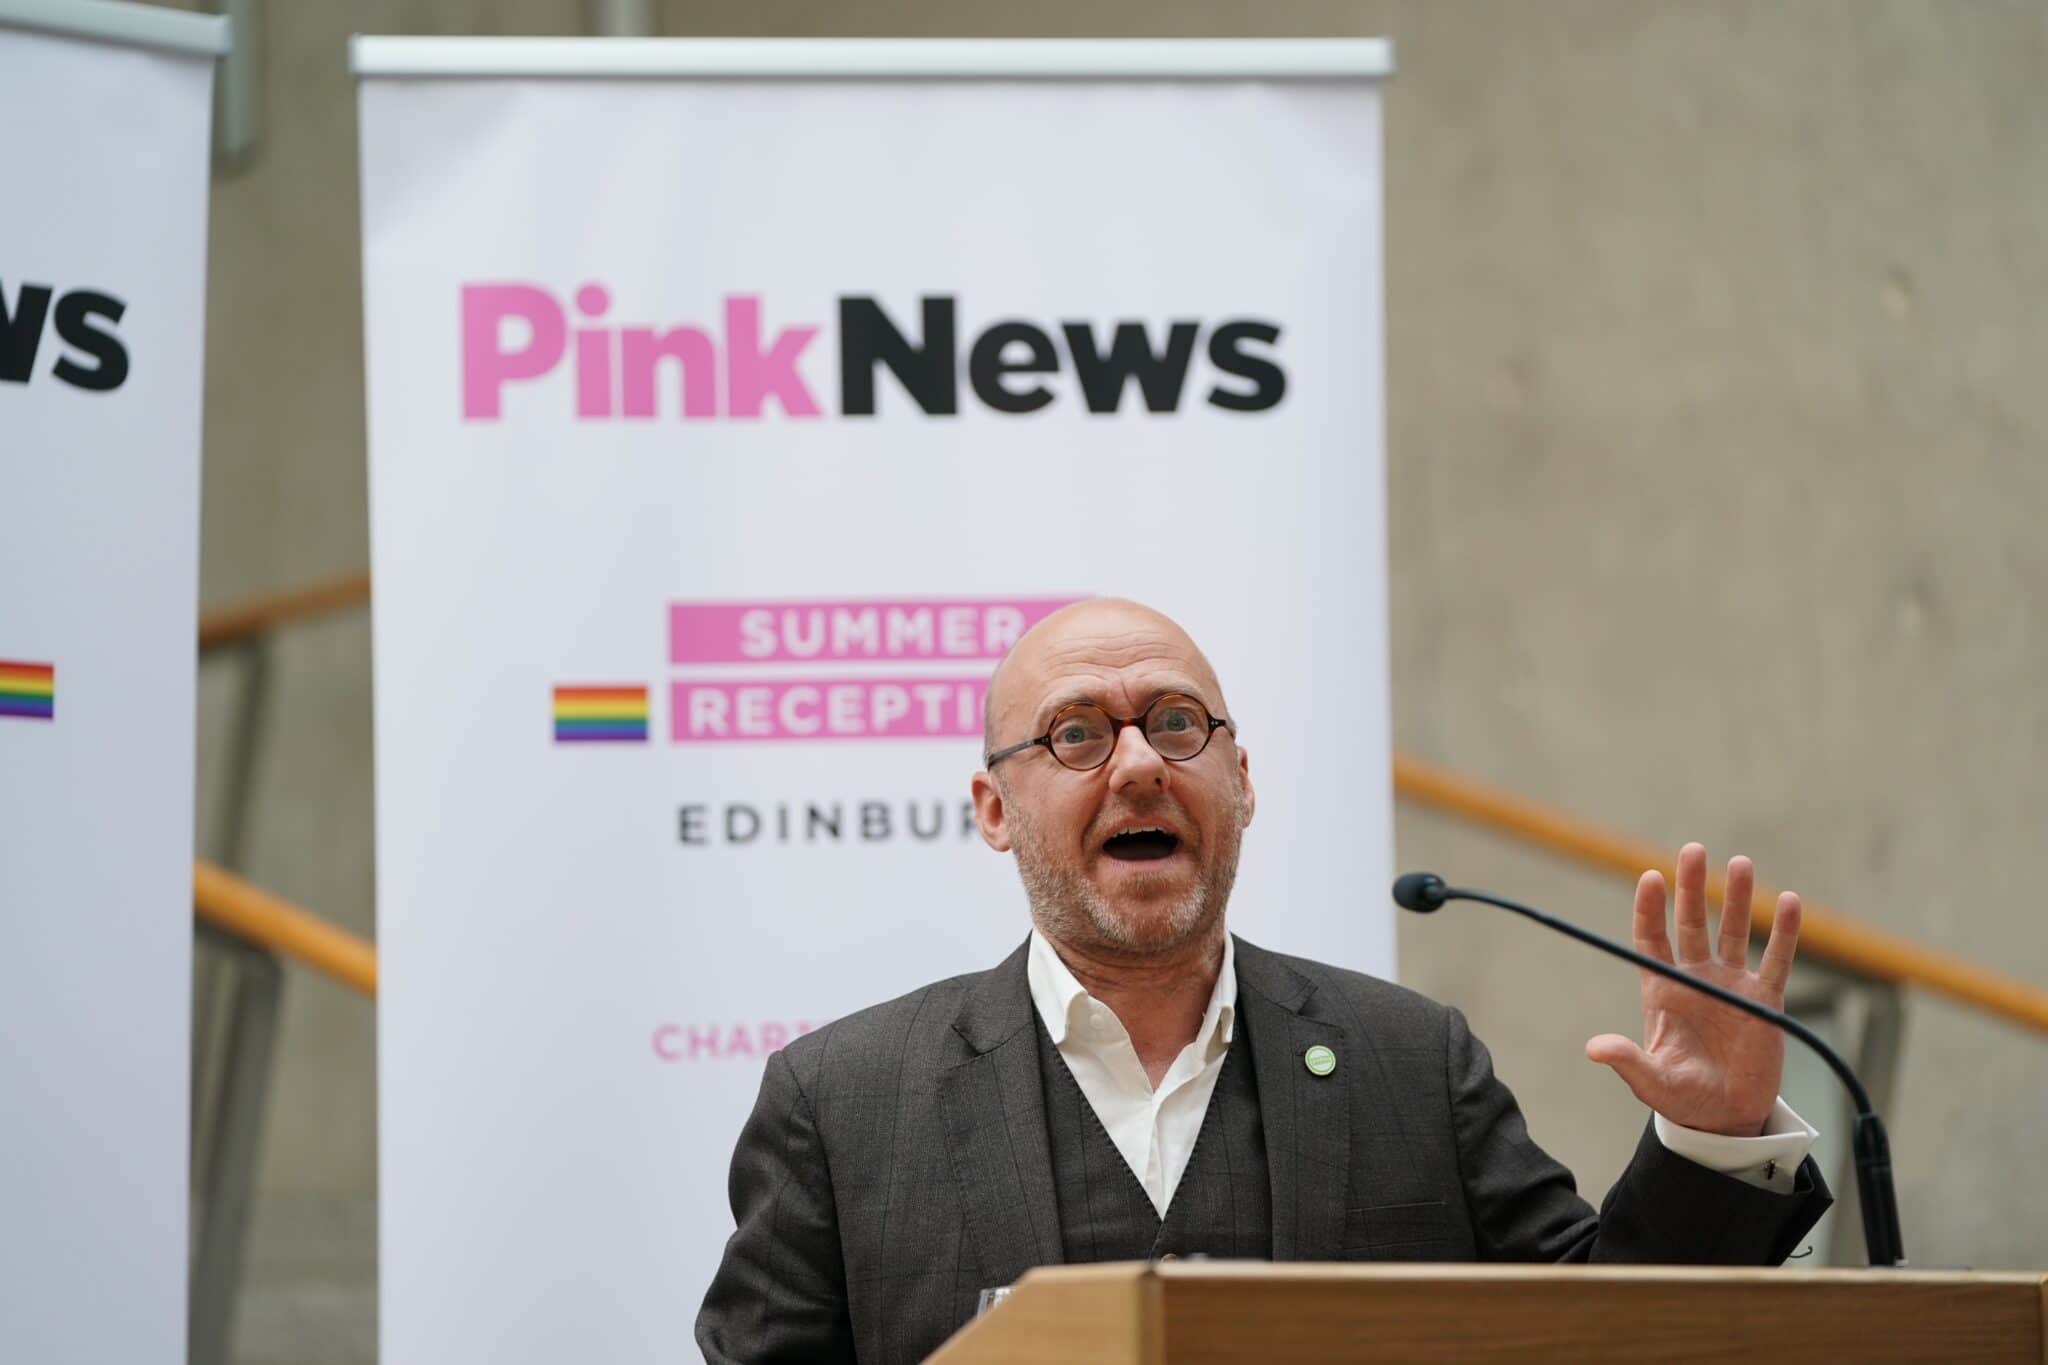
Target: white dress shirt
x: 1156, y: 1129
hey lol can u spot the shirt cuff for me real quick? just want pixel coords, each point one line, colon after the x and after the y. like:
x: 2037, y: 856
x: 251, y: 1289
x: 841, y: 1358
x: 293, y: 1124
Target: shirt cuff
x: 1769, y: 1162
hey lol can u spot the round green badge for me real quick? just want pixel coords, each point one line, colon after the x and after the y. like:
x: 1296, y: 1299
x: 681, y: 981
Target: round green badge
x: 1319, y: 1060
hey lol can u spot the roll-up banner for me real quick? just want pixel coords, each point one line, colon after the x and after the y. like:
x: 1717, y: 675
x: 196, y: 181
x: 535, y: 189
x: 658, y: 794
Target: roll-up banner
x: 103, y: 189
x: 727, y: 423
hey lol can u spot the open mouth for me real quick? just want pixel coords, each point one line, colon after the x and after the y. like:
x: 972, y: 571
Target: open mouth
x: 1141, y: 845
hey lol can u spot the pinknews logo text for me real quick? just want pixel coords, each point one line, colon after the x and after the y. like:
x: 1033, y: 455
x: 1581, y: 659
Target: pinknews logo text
x: 694, y: 370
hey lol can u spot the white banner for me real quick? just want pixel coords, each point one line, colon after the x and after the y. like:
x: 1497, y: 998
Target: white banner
x: 723, y: 433
x: 103, y: 190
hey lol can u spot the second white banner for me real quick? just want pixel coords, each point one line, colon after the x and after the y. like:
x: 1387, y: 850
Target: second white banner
x: 723, y: 434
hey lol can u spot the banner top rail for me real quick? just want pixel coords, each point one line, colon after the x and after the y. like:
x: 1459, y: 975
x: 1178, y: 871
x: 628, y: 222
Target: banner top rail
x: 201, y: 35
x: 880, y: 58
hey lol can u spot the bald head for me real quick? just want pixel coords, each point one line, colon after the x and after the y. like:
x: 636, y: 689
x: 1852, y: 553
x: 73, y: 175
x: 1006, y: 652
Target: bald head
x: 1086, y: 642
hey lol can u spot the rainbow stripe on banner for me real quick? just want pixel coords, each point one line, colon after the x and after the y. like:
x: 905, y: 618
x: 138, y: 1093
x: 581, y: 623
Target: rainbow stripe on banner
x: 28, y: 691
x: 600, y: 715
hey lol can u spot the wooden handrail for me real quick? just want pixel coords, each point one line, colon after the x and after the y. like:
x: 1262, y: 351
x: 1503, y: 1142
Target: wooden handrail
x: 1826, y: 934
x: 249, y: 912
x: 259, y: 615
x: 1823, y: 932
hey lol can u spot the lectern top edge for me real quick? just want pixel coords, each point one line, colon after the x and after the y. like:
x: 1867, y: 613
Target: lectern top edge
x: 1432, y: 1271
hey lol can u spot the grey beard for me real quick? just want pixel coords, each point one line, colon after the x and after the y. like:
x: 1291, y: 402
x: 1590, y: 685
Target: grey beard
x: 1067, y: 908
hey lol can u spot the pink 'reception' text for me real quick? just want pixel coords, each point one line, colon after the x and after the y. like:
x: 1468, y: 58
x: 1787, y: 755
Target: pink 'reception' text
x: 840, y: 708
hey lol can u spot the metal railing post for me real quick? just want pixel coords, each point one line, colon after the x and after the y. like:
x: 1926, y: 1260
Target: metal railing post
x: 1865, y: 1018
x: 254, y: 657
x: 1880, y: 1032
x: 227, y: 1162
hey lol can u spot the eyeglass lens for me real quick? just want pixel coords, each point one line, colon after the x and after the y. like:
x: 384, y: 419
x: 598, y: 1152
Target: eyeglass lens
x: 1084, y: 736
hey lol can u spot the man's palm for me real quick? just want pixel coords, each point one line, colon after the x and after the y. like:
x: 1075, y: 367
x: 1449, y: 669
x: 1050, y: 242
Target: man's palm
x: 1703, y: 1064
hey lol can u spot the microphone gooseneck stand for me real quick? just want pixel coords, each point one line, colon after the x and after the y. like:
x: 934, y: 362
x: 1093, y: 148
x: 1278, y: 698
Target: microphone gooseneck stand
x: 1425, y: 892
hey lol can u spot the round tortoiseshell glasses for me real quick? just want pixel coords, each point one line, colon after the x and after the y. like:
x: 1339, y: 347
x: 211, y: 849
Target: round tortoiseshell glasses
x: 1083, y: 736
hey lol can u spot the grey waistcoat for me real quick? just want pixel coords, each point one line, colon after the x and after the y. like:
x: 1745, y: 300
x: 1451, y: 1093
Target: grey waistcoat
x: 1223, y: 1206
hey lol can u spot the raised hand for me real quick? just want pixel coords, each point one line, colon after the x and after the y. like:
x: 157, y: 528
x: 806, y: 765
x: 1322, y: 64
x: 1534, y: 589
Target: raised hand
x: 1703, y: 1065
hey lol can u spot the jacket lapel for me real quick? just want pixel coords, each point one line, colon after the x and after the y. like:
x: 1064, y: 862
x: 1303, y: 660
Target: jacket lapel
x: 993, y: 1106
x: 1307, y: 1117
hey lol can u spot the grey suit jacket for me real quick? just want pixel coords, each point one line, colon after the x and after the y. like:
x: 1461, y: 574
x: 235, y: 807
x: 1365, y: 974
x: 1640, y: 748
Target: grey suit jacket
x: 896, y: 1163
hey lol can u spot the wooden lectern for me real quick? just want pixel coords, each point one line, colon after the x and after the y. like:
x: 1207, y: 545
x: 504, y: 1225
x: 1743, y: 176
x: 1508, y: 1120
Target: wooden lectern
x: 1183, y: 1312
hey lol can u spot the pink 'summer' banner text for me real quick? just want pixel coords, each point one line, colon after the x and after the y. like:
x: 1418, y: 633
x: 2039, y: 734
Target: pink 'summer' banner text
x: 813, y: 632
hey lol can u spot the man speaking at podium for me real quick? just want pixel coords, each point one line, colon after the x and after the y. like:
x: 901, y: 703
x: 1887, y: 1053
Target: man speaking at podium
x: 1134, y: 1082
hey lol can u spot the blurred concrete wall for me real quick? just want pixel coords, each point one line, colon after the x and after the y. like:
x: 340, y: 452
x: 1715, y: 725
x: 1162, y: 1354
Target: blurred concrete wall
x: 1719, y: 452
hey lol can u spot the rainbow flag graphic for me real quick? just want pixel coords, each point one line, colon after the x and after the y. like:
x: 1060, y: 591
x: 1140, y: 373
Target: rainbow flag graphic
x: 600, y: 715
x: 28, y: 691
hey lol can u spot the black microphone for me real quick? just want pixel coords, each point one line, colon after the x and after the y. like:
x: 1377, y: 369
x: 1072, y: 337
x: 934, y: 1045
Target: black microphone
x: 1425, y: 892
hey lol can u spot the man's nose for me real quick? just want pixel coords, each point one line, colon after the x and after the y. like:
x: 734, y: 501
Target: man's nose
x: 1134, y: 761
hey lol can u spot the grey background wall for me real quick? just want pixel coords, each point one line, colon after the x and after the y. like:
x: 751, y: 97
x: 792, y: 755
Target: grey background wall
x: 1717, y: 471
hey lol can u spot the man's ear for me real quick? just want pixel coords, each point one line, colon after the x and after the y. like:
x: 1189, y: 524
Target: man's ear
x: 1244, y: 775
x: 989, y: 813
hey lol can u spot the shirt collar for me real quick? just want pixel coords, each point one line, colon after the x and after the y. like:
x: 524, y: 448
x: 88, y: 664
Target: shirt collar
x: 1060, y: 998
